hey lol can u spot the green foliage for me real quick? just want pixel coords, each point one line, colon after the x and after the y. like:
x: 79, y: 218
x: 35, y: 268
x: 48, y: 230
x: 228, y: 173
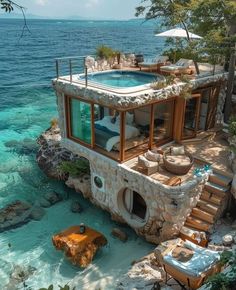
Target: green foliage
x: 224, y: 281
x: 232, y: 125
x: 49, y: 288
x: 7, y: 5
x: 75, y: 168
x: 105, y: 52
x: 157, y: 85
x: 54, y: 122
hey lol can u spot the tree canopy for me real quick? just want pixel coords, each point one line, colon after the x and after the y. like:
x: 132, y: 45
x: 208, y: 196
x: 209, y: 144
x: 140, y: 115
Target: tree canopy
x: 215, y: 20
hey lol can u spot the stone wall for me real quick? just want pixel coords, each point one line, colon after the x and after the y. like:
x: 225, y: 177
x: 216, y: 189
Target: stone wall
x: 167, y: 207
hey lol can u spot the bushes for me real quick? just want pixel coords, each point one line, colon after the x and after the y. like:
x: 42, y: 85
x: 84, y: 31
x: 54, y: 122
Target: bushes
x: 224, y: 281
x: 75, y: 168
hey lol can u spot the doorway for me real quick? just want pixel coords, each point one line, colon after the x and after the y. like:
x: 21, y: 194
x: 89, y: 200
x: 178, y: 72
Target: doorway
x: 135, y: 204
x: 191, y: 117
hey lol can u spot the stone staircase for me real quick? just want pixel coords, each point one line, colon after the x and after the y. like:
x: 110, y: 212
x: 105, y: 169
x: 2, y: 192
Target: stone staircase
x: 209, y: 208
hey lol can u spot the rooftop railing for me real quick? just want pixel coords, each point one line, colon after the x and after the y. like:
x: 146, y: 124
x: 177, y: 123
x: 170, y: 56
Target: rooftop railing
x: 73, y: 65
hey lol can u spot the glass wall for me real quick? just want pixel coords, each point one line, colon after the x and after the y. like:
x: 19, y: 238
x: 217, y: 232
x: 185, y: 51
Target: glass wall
x: 163, y: 121
x: 106, y: 128
x: 191, y: 117
x: 80, y: 120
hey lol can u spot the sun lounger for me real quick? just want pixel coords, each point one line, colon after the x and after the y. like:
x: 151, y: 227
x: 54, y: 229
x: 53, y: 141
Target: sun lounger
x: 188, y: 263
x: 182, y: 66
x: 153, y: 64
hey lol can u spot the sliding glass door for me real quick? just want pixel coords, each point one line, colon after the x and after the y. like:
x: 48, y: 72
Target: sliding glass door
x: 191, y: 117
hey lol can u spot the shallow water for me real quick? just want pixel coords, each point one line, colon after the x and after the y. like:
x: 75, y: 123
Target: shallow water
x: 27, y: 104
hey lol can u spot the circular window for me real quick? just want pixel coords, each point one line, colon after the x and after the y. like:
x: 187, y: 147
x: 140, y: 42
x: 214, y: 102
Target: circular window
x: 98, y: 182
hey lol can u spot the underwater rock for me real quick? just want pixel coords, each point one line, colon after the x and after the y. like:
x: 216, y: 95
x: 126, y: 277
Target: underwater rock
x: 19, y: 275
x: 53, y: 197
x: 14, y: 215
x: 228, y: 240
x: 44, y: 203
x: 37, y: 213
x: 25, y: 147
x: 76, y: 207
x: 119, y: 234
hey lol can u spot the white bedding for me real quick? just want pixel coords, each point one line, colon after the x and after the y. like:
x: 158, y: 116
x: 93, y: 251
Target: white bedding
x: 202, y: 260
x: 130, y: 131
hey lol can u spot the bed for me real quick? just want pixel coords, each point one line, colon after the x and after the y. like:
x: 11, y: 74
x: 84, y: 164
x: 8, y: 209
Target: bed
x: 107, y: 134
x: 188, y: 263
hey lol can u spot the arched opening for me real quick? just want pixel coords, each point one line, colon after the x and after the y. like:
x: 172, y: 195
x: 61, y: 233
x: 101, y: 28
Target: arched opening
x: 133, y: 207
x: 134, y: 203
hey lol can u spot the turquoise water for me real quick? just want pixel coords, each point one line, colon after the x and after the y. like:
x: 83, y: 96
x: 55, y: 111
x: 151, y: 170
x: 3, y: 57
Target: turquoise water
x: 122, y: 79
x: 27, y: 104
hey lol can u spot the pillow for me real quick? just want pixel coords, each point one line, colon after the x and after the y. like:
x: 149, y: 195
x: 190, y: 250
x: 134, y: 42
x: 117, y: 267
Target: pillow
x: 156, y: 157
x: 142, y: 161
x: 177, y: 150
x: 129, y: 118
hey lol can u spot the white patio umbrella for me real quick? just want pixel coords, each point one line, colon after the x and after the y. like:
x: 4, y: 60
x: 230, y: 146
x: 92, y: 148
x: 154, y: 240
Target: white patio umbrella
x: 178, y: 33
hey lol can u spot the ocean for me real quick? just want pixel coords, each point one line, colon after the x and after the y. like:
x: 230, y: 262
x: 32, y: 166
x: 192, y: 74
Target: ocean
x: 27, y: 104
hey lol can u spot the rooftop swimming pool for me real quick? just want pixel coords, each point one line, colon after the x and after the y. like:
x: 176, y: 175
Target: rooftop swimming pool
x: 122, y: 79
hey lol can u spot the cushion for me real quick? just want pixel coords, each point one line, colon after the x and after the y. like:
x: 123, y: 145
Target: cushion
x: 129, y: 118
x: 177, y: 150
x: 182, y: 160
x: 152, y: 156
x: 142, y: 161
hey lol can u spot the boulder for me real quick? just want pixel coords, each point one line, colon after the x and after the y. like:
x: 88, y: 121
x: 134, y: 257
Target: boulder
x: 79, y: 247
x: 44, y: 203
x: 76, y: 207
x: 14, y: 215
x: 119, y: 234
x: 37, y: 213
x: 53, y: 197
x: 228, y: 240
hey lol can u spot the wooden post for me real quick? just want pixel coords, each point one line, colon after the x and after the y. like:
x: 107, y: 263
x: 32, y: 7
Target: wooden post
x: 70, y: 62
x: 151, y: 129
x: 92, y: 127
x: 57, y: 68
x: 122, y: 136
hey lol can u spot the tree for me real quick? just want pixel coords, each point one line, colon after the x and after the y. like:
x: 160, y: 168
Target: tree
x: 9, y: 6
x: 214, y: 19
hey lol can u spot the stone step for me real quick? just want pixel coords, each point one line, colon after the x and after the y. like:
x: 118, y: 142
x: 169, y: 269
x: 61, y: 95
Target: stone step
x: 188, y: 233
x: 216, y: 189
x: 203, y: 215
x: 208, y: 207
x: 211, y: 198
x: 198, y: 224
x: 220, y: 179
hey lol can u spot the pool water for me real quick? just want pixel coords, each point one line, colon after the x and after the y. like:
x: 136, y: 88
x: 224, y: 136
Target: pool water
x: 123, y: 79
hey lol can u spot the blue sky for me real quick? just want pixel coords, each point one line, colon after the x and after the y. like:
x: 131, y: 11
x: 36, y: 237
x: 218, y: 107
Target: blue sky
x: 102, y: 9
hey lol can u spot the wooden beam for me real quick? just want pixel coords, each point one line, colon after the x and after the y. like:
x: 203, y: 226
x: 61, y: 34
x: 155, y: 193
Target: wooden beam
x: 151, y: 128
x: 92, y: 126
x: 122, y: 136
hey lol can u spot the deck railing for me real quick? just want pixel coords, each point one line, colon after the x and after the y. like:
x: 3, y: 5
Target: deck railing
x: 75, y: 65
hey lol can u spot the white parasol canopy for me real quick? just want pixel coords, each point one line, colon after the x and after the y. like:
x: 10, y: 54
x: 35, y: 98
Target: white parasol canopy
x: 178, y: 32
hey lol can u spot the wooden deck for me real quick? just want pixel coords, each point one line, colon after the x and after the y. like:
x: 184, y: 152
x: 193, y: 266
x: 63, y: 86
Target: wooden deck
x: 213, y: 150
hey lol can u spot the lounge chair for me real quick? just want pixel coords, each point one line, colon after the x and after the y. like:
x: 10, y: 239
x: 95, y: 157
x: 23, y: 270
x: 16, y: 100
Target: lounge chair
x: 176, y: 160
x: 187, y: 263
x: 153, y: 64
x: 182, y: 66
x: 149, y: 162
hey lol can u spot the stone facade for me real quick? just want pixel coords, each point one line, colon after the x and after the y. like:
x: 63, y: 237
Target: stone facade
x: 167, y: 207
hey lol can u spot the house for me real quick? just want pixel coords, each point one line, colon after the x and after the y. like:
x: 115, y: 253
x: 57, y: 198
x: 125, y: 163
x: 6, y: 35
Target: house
x: 114, y: 116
